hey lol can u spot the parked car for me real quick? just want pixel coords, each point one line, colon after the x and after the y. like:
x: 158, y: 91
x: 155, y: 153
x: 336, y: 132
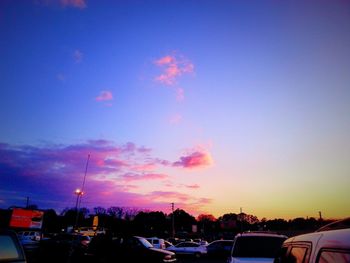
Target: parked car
x: 167, y: 244
x: 29, y: 235
x: 127, y: 249
x: 156, y: 242
x: 29, y: 240
x: 324, y: 246
x: 189, y: 248
x: 63, y: 247
x: 10, y: 248
x: 255, y: 247
x: 219, y: 248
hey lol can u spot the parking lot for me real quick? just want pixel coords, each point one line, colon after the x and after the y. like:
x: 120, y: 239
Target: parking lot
x: 200, y: 260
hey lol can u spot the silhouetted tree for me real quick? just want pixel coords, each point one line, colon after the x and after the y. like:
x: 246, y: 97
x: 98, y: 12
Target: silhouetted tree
x: 183, y: 221
x: 51, y: 221
x: 151, y: 223
x: 116, y: 212
x: 207, y: 225
x: 100, y: 210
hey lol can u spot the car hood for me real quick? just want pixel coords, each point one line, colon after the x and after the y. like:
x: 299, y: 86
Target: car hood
x: 165, y: 252
x: 252, y: 260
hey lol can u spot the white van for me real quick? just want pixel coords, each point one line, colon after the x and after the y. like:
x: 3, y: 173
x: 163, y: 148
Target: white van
x: 327, y: 245
x: 256, y: 247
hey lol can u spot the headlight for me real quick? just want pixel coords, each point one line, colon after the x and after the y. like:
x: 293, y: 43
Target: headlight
x: 169, y: 258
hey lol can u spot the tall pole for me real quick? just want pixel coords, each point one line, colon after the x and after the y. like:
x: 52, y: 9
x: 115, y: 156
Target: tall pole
x: 80, y: 193
x: 86, y: 167
x: 173, y: 220
x: 241, y: 219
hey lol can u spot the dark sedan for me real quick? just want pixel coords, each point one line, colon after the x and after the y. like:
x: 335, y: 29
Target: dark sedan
x: 126, y: 249
x: 219, y: 248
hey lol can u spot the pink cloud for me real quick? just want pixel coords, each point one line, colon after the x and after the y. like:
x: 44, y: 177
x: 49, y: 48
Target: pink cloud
x: 168, y: 196
x: 172, y: 68
x: 164, y: 60
x: 194, y: 160
x: 73, y: 3
x: 105, y: 95
x: 145, y: 167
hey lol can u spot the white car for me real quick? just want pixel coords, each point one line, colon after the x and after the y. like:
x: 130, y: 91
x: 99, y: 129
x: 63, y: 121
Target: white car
x: 189, y: 248
x: 256, y: 247
x: 329, y: 244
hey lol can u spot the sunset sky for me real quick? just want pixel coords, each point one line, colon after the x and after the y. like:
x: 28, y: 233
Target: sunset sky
x: 212, y: 105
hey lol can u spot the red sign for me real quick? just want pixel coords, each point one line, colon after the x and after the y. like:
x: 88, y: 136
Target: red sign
x: 26, y: 218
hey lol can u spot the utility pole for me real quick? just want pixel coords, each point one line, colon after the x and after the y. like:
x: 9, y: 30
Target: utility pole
x: 173, y: 220
x: 320, y: 214
x: 241, y: 219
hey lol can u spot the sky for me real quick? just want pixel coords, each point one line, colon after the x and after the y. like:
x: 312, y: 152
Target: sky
x: 214, y: 106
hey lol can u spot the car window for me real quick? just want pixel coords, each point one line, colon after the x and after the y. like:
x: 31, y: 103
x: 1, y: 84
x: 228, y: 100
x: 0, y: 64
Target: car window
x: 257, y: 246
x: 145, y: 243
x: 297, y: 255
x: 8, y: 250
x: 181, y: 245
x: 334, y: 256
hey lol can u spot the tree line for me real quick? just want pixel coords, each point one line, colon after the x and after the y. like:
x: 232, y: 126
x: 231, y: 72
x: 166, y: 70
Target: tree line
x: 130, y: 221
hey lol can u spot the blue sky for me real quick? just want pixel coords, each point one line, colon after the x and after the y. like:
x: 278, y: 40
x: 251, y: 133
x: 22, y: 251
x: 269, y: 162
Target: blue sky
x: 238, y: 104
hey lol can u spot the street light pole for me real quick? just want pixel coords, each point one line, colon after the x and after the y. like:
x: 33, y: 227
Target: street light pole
x: 86, y: 167
x: 79, y: 193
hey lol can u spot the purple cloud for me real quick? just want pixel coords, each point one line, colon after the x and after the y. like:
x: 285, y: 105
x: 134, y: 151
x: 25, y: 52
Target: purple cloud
x: 50, y: 173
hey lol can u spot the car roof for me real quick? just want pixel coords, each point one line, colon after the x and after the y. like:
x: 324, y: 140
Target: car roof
x: 339, y: 238
x: 261, y: 234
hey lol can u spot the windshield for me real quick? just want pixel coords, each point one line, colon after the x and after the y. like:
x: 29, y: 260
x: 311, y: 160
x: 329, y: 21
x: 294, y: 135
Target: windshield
x: 257, y: 246
x: 145, y: 242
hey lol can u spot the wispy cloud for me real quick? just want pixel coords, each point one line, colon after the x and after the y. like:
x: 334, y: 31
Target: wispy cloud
x: 175, y: 119
x: 192, y: 186
x: 73, y: 3
x: 78, y: 56
x: 105, y: 95
x: 81, y: 4
x: 180, y: 94
x: 128, y: 177
x: 61, y: 77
